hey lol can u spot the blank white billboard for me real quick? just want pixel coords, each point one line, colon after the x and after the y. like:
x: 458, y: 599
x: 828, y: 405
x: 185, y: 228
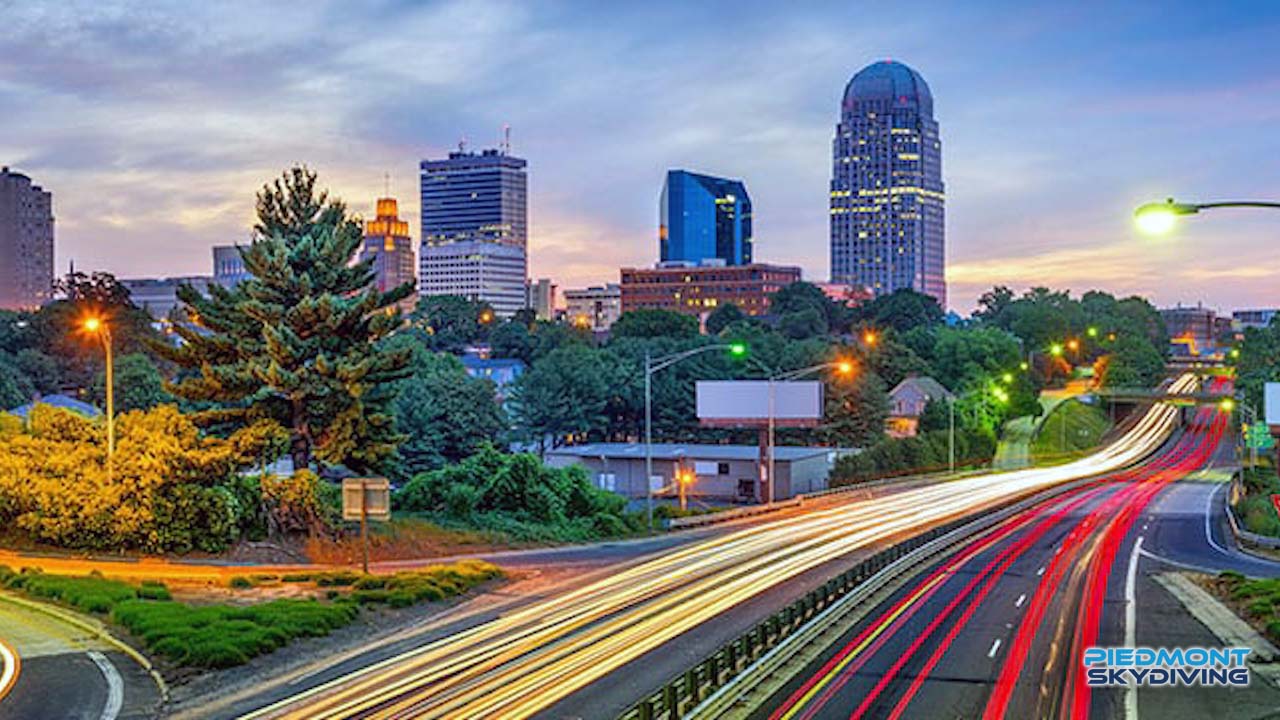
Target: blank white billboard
x: 746, y: 402
x: 1271, y: 397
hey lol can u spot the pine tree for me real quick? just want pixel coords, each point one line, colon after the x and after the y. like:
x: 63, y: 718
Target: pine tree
x: 299, y: 343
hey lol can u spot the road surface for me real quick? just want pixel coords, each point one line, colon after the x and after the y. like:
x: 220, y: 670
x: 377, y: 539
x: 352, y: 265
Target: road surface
x: 66, y: 673
x: 996, y: 630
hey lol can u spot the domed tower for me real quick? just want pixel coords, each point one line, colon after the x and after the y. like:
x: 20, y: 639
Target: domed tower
x: 887, y: 200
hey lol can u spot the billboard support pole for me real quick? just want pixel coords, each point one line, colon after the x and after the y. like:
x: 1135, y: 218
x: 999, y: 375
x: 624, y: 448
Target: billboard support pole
x: 364, y: 528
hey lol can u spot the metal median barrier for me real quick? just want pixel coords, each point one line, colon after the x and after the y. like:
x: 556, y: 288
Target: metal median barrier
x: 685, y: 692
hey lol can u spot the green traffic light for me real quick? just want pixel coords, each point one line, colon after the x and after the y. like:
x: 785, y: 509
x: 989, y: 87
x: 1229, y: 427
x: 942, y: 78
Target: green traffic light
x: 738, y: 349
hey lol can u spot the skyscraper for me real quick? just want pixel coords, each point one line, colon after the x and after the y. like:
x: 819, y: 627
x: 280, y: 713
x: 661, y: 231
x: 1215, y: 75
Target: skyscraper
x: 704, y: 218
x: 26, y: 242
x: 387, y: 244
x: 886, y: 185
x: 475, y: 228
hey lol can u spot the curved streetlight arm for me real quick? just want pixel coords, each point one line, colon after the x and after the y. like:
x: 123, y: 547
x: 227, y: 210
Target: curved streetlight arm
x: 794, y: 374
x: 666, y: 361
x: 1236, y: 203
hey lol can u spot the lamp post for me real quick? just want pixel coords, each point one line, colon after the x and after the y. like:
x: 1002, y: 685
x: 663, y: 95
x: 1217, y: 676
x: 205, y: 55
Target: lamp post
x: 845, y: 367
x: 1159, y: 218
x: 951, y: 436
x: 651, y: 366
x: 99, y: 327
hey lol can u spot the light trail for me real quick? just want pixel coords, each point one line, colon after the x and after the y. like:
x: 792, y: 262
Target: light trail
x: 523, y: 662
x: 11, y: 669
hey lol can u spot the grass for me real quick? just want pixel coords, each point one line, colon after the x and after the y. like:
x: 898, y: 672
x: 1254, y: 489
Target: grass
x: 220, y: 636
x: 1070, y: 429
x: 1254, y: 509
x: 1258, y: 599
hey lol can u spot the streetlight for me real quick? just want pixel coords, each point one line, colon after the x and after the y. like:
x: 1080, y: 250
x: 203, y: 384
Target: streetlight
x: 97, y: 326
x: 1056, y: 349
x: 870, y: 338
x: 844, y: 367
x: 1160, y: 218
x: 651, y: 366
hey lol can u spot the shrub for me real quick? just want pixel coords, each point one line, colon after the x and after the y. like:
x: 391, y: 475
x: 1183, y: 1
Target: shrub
x: 240, y: 582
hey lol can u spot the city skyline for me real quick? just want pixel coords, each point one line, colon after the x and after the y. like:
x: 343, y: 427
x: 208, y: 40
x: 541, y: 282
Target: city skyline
x: 1045, y: 157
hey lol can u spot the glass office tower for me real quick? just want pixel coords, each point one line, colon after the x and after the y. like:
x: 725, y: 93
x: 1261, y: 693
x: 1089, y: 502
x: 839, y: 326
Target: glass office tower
x: 704, y: 218
x: 887, y: 198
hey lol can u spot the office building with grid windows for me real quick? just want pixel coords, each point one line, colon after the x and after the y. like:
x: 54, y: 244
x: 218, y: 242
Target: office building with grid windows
x: 701, y: 218
x: 886, y: 196
x: 475, y: 228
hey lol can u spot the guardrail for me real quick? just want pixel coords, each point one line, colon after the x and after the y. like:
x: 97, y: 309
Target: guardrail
x: 734, y: 514
x: 686, y: 691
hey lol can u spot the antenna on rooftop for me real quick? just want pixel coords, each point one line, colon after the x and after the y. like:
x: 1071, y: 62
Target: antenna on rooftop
x: 462, y: 144
x: 386, y: 185
x: 506, y: 139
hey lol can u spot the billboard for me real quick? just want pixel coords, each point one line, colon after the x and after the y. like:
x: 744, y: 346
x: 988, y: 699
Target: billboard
x: 1271, y: 404
x: 746, y: 403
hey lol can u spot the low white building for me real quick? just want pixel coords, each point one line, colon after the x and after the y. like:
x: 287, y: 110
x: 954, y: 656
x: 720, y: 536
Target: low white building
x: 721, y: 472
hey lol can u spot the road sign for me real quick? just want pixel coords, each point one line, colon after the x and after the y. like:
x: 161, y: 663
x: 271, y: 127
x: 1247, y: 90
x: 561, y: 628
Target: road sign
x: 366, y: 498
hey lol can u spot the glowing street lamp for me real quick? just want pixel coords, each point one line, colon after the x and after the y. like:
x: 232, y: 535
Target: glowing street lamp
x: 1228, y: 404
x: 1056, y: 349
x: 1007, y: 378
x: 486, y: 316
x: 1092, y: 332
x: 1024, y: 366
x: 95, y: 325
x: 1159, y: 218
x: 870, y: 338
x: 1073, y: 345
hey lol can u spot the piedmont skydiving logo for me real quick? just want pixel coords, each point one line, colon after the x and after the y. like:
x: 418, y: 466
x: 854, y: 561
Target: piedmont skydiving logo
x: 1166, y: 667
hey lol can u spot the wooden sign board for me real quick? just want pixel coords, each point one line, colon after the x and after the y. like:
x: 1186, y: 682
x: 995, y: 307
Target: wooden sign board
x: 366, y: 497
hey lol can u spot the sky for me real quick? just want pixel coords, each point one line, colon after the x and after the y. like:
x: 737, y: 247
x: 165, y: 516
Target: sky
x: 154, y: 125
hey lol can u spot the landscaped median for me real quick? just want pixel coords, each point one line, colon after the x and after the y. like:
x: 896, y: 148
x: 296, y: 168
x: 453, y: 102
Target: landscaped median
x: 196, y: 634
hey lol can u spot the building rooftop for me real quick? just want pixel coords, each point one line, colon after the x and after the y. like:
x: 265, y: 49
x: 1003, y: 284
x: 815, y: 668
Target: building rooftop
x: 59, y: 401
x: 672, y: 451
x: 927, y: 386
x: 889, y: 80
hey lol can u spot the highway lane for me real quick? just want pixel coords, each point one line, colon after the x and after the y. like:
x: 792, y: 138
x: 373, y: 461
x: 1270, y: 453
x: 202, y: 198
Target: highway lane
x: 991, y: 631
x: 66, y: 673
x: 530, y: 658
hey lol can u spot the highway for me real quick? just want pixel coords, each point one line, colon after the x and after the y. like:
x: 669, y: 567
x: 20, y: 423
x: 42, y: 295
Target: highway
x: 55, y: 670
x: 533, y: 657
x: 995, y: 630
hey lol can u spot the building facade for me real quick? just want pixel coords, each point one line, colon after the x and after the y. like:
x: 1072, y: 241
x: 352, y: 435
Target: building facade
x: 388, y: 246
x: 487, y: 272
x: 887, y: 197
x: 26, y: 242
x: 701, y: 218
x: 159, y: 296
x: 1255, y: 318
x: 700, y: 290
x: 719, y: 472
x: 540, y: 297
x: 597, y: 307
x: 475, y: 228
x: 228, y: 266
x: 1192, y: 330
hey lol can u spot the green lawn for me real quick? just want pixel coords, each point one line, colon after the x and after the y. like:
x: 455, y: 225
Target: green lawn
x: 1258, y: 600
x: 1254, y: 510
x: 221, y: 635
x: 1071, y: 429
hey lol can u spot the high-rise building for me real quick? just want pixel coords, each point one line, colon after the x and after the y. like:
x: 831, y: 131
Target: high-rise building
x: 887, y: 198
x: 703, y: 218
x: 540, y: 297
x: 387, y: 244
x: 228, y: 266
x: 26, y: 242
x: 475, y: 228
x: 597, y: 307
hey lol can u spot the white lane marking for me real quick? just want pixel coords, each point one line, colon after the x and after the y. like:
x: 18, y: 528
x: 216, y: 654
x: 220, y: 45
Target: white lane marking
x: 1131, y: 624
x: 115, y: 685
x: 1040, y: 571
x: 9, y: 673
x: 994, y: 647
x: 1021, y: 599
x: 1208, y: 514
